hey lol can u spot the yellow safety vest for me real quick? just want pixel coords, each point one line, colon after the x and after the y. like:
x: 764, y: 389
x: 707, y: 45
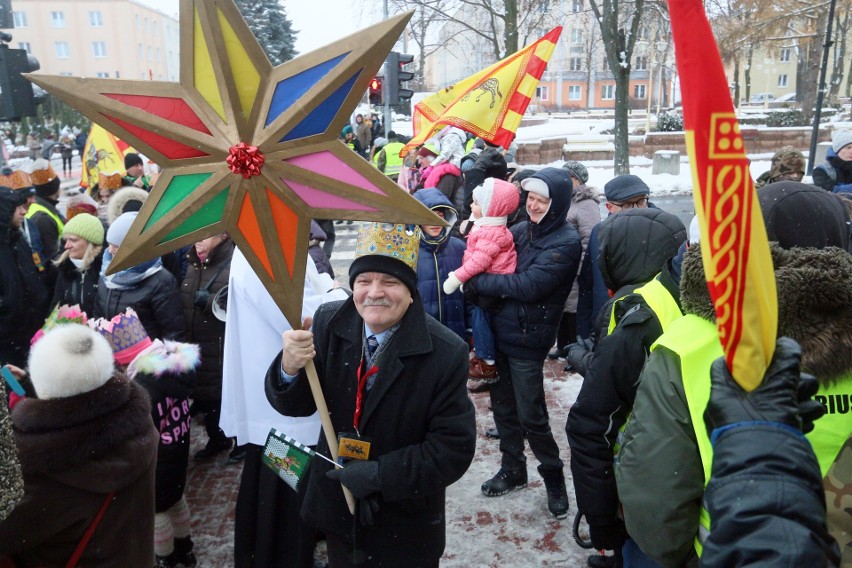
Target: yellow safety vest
x: 37, y: 207
x: 393, y: 163
x: 696, y: 342
x: 664, y: 307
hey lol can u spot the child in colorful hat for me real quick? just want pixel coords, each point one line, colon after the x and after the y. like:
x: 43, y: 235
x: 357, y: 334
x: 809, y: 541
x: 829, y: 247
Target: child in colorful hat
x: 166, y: 369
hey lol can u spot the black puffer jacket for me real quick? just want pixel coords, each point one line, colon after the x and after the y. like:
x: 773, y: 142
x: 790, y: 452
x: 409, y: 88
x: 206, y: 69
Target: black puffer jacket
x: 75, y: 287
x: 156, y: 301
x: 202, y: 327
x: 533, y: 298
x: 24, y: 298
x: 610, y: 384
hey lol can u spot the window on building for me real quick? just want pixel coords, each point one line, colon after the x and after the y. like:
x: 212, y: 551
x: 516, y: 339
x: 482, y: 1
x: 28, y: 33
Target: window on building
x: 62, y: 51
x: 99, y: 48
x: 607, y: 92
x: 782, y: 80
x: 577, y: 6
x: 542, y: 92
x: 604, y: 63
x: 150, y: 53
x: 19, y: 19
x: 641, y: 63
x: 25, y: 45
x: 575, y: 63
x: 638, y: 91
x: 154, y: 27
x: 147, y: 26
x: 644, y: 33
x: 96, y: 19
x: 138, y: 23
x: 575, y: 92
x: 159, y: 58
x: 58, y: 19
x: 785, y: 54
x: 102, y: 74
x: 576, y: 35
x: 141, y: 51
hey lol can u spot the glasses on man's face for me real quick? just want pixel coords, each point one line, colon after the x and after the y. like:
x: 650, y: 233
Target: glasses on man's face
x: 635, y: 204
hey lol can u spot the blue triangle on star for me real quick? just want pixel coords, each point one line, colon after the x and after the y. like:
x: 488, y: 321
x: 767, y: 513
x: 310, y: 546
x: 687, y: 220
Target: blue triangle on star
x: 291, y: 89
x: 318, y: 120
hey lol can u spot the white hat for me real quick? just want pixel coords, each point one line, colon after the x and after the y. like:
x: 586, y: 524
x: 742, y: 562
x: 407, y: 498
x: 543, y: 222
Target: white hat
x: 841, y: 138
x: 70, y: 359
x: 120, y: 227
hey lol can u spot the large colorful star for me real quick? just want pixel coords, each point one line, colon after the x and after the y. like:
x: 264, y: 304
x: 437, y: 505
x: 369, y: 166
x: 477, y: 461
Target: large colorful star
x: 246, y: 147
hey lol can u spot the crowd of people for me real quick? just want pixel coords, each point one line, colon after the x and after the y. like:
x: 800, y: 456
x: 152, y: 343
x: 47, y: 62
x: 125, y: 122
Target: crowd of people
x: 672, y: 463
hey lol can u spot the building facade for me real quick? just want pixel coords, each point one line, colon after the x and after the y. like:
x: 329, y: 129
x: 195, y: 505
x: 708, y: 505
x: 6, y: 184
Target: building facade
x: 98, y: 38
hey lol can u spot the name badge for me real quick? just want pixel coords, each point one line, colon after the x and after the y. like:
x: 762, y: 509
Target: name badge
x: 351, y: 446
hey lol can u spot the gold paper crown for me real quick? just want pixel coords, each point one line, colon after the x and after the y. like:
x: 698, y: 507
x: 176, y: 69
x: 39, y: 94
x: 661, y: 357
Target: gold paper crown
x: 395, y: 241
x: 42, y: 175
x: 16, y: 180
x: 110, y: 181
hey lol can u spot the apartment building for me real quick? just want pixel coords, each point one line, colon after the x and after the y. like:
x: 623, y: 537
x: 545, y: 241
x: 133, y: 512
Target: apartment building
x: 98, y: 38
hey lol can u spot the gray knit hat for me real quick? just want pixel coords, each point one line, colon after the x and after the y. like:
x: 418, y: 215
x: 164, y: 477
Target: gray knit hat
x: 841, y: 138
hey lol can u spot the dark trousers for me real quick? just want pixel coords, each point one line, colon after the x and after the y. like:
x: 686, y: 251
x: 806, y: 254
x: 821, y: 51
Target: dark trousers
x: 517, y: 401
x: 327, y: 225
x: 341, y: 554
x: 269, y: 532
x: 212, y: 409
x: 567, y: 329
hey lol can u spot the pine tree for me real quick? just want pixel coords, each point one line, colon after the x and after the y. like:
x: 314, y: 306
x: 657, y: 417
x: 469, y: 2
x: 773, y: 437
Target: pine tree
x: 269, y: 23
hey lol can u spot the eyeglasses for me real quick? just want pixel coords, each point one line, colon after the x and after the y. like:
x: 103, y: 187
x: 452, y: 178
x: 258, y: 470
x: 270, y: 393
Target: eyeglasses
x: 635, y: 204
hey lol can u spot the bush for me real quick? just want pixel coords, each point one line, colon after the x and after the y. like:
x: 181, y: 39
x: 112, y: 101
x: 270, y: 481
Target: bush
x: 785, y: 118
x: 669, y: 122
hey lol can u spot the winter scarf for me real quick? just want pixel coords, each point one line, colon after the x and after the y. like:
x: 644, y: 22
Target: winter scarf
x: 129, y: 277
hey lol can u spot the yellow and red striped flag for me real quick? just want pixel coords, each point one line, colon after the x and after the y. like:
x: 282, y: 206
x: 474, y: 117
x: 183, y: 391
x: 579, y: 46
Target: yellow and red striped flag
x: 103, y: 152
x: 734, y: 246
x: 490, y: 103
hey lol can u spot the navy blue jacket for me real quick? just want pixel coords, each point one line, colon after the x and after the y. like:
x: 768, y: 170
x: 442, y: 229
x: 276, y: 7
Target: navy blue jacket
x: 533, y: 298
x: 436, y: 259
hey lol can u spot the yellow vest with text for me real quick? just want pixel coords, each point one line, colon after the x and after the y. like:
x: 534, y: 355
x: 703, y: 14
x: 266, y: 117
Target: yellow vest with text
x: 696, y: 342
x: 393, y: 163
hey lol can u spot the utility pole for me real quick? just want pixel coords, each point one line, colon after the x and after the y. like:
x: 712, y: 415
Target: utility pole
x: 821, y: 92
x: 387, y: 119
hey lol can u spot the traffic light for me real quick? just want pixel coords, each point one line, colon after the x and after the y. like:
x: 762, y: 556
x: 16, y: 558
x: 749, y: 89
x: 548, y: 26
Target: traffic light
x: 376, y: 91
x: 16, y: 92
x: 396, y: 74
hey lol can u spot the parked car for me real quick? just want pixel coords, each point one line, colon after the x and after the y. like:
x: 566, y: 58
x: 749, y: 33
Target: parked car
x: 786, y: 98
x: 761, y: 98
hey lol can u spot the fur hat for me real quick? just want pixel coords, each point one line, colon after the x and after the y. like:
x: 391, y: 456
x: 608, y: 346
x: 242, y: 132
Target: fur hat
x: 624, y: 187
x: 387, y: 248
x: 132, y: 159
x: 69, y: 360
x: 125, y: 335
x: 125, y: 200
x: 119, y: 228
x: 86, y: 226
x: 576, y: 170
x: 80, y: 203
x: 840, y: 138
x: 111, y: 181
x: 44, y: 179
x: 801, y: 215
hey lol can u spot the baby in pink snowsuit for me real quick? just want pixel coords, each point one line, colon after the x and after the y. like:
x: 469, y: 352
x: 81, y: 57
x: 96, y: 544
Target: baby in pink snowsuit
x: 490, y: 247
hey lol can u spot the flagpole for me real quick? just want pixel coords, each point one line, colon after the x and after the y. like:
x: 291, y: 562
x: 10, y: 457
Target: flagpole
x: 821, y: 90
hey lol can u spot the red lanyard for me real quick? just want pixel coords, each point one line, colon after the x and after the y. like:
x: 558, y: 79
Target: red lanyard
x: 359, y: 396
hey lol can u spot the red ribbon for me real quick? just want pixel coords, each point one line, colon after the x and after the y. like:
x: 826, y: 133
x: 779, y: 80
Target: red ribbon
x: 245, y: 160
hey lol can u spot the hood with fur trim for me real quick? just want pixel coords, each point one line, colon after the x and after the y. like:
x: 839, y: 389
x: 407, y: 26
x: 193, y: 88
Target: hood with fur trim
x: 166, y: 368
x: 121, y: 198
x: 814, y: 303
x: 583, y: 192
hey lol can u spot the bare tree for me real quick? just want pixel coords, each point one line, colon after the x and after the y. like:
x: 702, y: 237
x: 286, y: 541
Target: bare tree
x: 618, y: 35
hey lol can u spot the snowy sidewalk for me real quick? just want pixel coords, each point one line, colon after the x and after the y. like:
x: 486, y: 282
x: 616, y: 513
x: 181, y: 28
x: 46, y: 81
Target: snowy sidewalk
x: 513, y: 530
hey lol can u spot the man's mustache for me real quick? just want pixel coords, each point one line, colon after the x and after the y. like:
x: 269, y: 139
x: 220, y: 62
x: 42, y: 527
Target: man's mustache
x: 380, y: 302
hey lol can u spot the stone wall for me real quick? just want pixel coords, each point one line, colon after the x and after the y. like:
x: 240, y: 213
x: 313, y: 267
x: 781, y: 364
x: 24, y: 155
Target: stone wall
x: 757, y: 141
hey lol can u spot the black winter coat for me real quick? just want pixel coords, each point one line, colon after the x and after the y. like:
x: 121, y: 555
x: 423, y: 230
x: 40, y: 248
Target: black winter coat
x: 24, y: 298
x: 202, y: 327
x: 156, y: 301
x: 533, y: 298
x: 418, y: 417
x: 75, y: 287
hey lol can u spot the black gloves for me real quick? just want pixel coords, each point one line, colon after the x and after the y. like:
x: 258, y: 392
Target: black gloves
x: 608, y: 536
x: 784, y: 396
x: 362, y: 479
x: 202, y: 297
x: 578, y: 356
